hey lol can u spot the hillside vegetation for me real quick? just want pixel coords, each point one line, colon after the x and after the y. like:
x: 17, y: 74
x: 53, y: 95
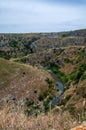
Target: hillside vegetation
x: 27, y: 87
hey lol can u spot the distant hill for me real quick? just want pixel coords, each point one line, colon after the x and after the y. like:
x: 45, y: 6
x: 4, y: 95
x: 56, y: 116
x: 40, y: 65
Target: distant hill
x: 18, y: 45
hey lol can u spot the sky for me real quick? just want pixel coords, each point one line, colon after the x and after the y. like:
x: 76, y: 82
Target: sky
x: 28, y: 16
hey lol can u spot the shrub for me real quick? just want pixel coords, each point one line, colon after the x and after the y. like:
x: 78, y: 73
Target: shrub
x: 29, y: 103
x: 43, y: 96
x: 5, y: 55
x: 46, y: 105
x: 67, y: 60
x: 50, y: 83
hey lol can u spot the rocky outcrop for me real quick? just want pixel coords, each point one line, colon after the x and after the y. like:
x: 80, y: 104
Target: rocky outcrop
x: 80, y: 127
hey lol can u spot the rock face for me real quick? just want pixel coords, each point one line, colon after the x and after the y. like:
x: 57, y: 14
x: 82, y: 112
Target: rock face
x: 81, y: 127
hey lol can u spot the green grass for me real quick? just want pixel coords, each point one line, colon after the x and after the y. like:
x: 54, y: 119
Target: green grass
x: 77, y: 74
x: 74, y: 76
x: 80, y: 53
x: 59, y: 74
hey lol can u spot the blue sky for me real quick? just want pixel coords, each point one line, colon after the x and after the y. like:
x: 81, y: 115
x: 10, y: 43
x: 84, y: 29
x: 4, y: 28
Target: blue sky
x: 25, y: 16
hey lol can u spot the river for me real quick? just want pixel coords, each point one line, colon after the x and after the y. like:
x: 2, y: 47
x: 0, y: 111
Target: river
x: 59, y: 85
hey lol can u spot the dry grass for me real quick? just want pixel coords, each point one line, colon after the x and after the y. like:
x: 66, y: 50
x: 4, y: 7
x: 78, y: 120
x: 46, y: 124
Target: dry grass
x: 22, y: 80
x: 53, y: 121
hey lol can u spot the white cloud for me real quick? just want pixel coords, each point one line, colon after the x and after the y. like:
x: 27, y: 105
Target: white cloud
x: 38, y: 16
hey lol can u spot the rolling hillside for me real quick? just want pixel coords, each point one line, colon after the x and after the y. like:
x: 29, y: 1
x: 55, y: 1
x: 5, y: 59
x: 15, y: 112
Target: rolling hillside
x: 27, y: 87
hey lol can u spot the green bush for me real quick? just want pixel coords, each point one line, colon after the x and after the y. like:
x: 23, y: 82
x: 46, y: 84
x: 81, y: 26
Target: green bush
x: 76, y: 75
x: 13, y: 43
x: 5, y: 55
x: 43, y: 96
x: 59, y: 74
x: 67, y: 60
x: 50, y: 83
x: 29, y: 103
x: 28, y: 112
x: 46, y: 105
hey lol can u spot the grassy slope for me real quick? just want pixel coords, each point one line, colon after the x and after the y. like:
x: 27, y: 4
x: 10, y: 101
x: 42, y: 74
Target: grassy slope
x: 21, y: 80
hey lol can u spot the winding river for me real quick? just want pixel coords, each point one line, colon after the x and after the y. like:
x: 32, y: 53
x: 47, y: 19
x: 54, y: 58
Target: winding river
x: 59, y: 85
